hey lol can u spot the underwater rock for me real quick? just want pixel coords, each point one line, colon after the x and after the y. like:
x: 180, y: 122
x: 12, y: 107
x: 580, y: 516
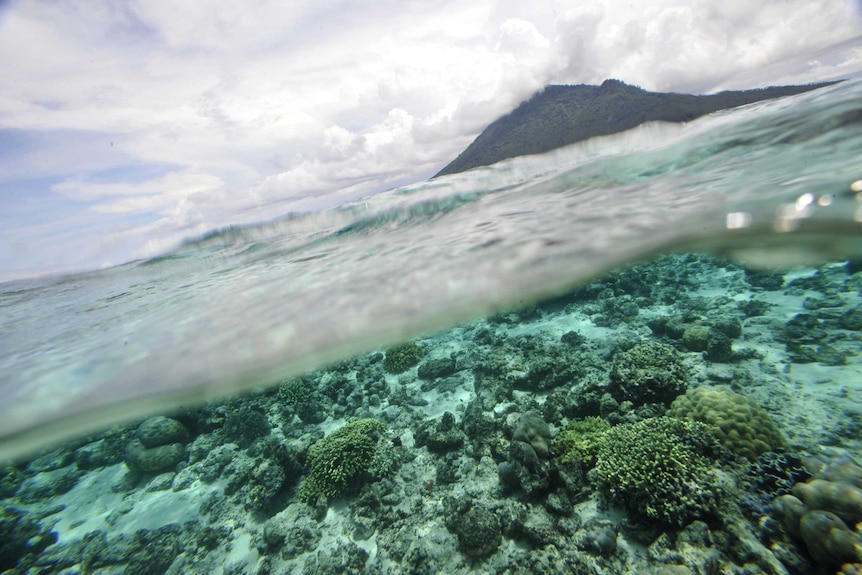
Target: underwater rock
x: 443, y: 436
x: 306, y: 402
x: 10, y: 480
x: 244, y: 425
x: 597, y: 538
x: 573, y: 338
x: 802, y: 328
x: 161, y: 482
x: 828, y: 355
x: 650, y: 372
x: 739, y: 423
x: 154, y: 550
x: 436, y: 368
x: 344, y: 558
x: 754, y: 307
x: 549, y: 560
x: 22, y: 539
x: 290, y: 532
x: 48, y: 484
x: 479, y: 428
x: 55, y: 459
x: 149, y: 460
x: 535, y: 527
x: 265, y: 481
x: 477, y: 528
x: 161, y: 430
x: 696, y: 338
x: 719, y: 348
x: 543, y: 373
x: 764, y: 279
x: 728, y: 326
x: 100, y: 453
x: 852, y: 319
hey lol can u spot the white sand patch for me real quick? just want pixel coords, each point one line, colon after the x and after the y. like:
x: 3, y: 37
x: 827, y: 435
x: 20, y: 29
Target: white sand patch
x: 92, y: 505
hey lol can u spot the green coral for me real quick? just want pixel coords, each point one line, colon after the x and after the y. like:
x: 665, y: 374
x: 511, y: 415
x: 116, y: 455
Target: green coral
x: 738, y: 423
x: 306, y: 402
x: 341, y: 459
x: 400, y: 358
x: 660, y: 468
x: 580, y: 440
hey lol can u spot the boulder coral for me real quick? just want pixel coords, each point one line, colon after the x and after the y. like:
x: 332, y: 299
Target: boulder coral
x: 738, y: 423
x: 158, y: 445
x: 532, y: 429
x: 825, y: 512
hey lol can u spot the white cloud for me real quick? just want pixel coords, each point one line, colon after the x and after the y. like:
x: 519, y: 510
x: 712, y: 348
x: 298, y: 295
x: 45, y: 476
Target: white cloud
x: 158, y: 195
x: 702, y: 46
x: 246, y: 109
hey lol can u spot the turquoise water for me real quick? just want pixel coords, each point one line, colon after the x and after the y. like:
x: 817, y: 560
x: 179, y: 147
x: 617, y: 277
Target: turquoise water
x: 773, y: 185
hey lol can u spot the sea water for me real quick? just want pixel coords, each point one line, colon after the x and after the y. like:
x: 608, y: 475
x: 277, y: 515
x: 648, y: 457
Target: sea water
x: 772, y: 186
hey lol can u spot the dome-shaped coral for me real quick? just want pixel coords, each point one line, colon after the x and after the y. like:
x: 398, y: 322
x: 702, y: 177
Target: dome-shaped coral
x: 739, y: 423
x: 825, y: 513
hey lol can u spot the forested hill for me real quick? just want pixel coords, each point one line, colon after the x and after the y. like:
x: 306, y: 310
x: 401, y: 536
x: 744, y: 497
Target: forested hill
x: 562, y: 115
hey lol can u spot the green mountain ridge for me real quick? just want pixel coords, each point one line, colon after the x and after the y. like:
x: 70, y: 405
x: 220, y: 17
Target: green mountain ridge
x: 560, y: 115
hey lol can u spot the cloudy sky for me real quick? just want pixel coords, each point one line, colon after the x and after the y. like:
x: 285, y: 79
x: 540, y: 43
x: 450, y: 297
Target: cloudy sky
x: 126, y: 125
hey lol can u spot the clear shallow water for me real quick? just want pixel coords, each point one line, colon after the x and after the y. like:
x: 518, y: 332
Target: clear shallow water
x: 248, y: 306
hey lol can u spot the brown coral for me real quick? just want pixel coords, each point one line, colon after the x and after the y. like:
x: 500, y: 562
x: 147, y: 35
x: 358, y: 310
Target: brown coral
x: 739, y: 423
x: 824, y: 511
x: 842, y: 499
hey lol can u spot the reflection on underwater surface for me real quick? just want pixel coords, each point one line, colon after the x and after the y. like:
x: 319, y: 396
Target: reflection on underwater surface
x: 685, y: 414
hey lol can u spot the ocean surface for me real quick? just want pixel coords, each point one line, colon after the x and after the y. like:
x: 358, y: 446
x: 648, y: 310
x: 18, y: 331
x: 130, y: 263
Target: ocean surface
x: 774, y: 186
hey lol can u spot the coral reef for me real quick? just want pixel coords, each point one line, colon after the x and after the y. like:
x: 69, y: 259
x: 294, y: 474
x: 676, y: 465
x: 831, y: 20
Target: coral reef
x: 500, y: 447
x: 580, y: 440
x: 21, y: 538
x: 650, y: 372
x: 533, y: 430
x: 342, y: 459
x: 400, y: 358
x: 477, y: 528
x: 739, y: 423
x: 436, y: 368
x: 158, y: 445
x: 305, y: 401
x: 661, y: 469
x: 245, y: 424
x: 825, y: 512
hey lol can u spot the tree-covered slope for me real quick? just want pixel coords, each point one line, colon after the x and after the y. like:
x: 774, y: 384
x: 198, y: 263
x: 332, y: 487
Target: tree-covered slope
x: 562, y: 115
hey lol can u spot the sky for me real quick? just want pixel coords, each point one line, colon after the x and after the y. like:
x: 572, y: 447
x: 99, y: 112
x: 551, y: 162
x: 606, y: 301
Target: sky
x: 129, y: 125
